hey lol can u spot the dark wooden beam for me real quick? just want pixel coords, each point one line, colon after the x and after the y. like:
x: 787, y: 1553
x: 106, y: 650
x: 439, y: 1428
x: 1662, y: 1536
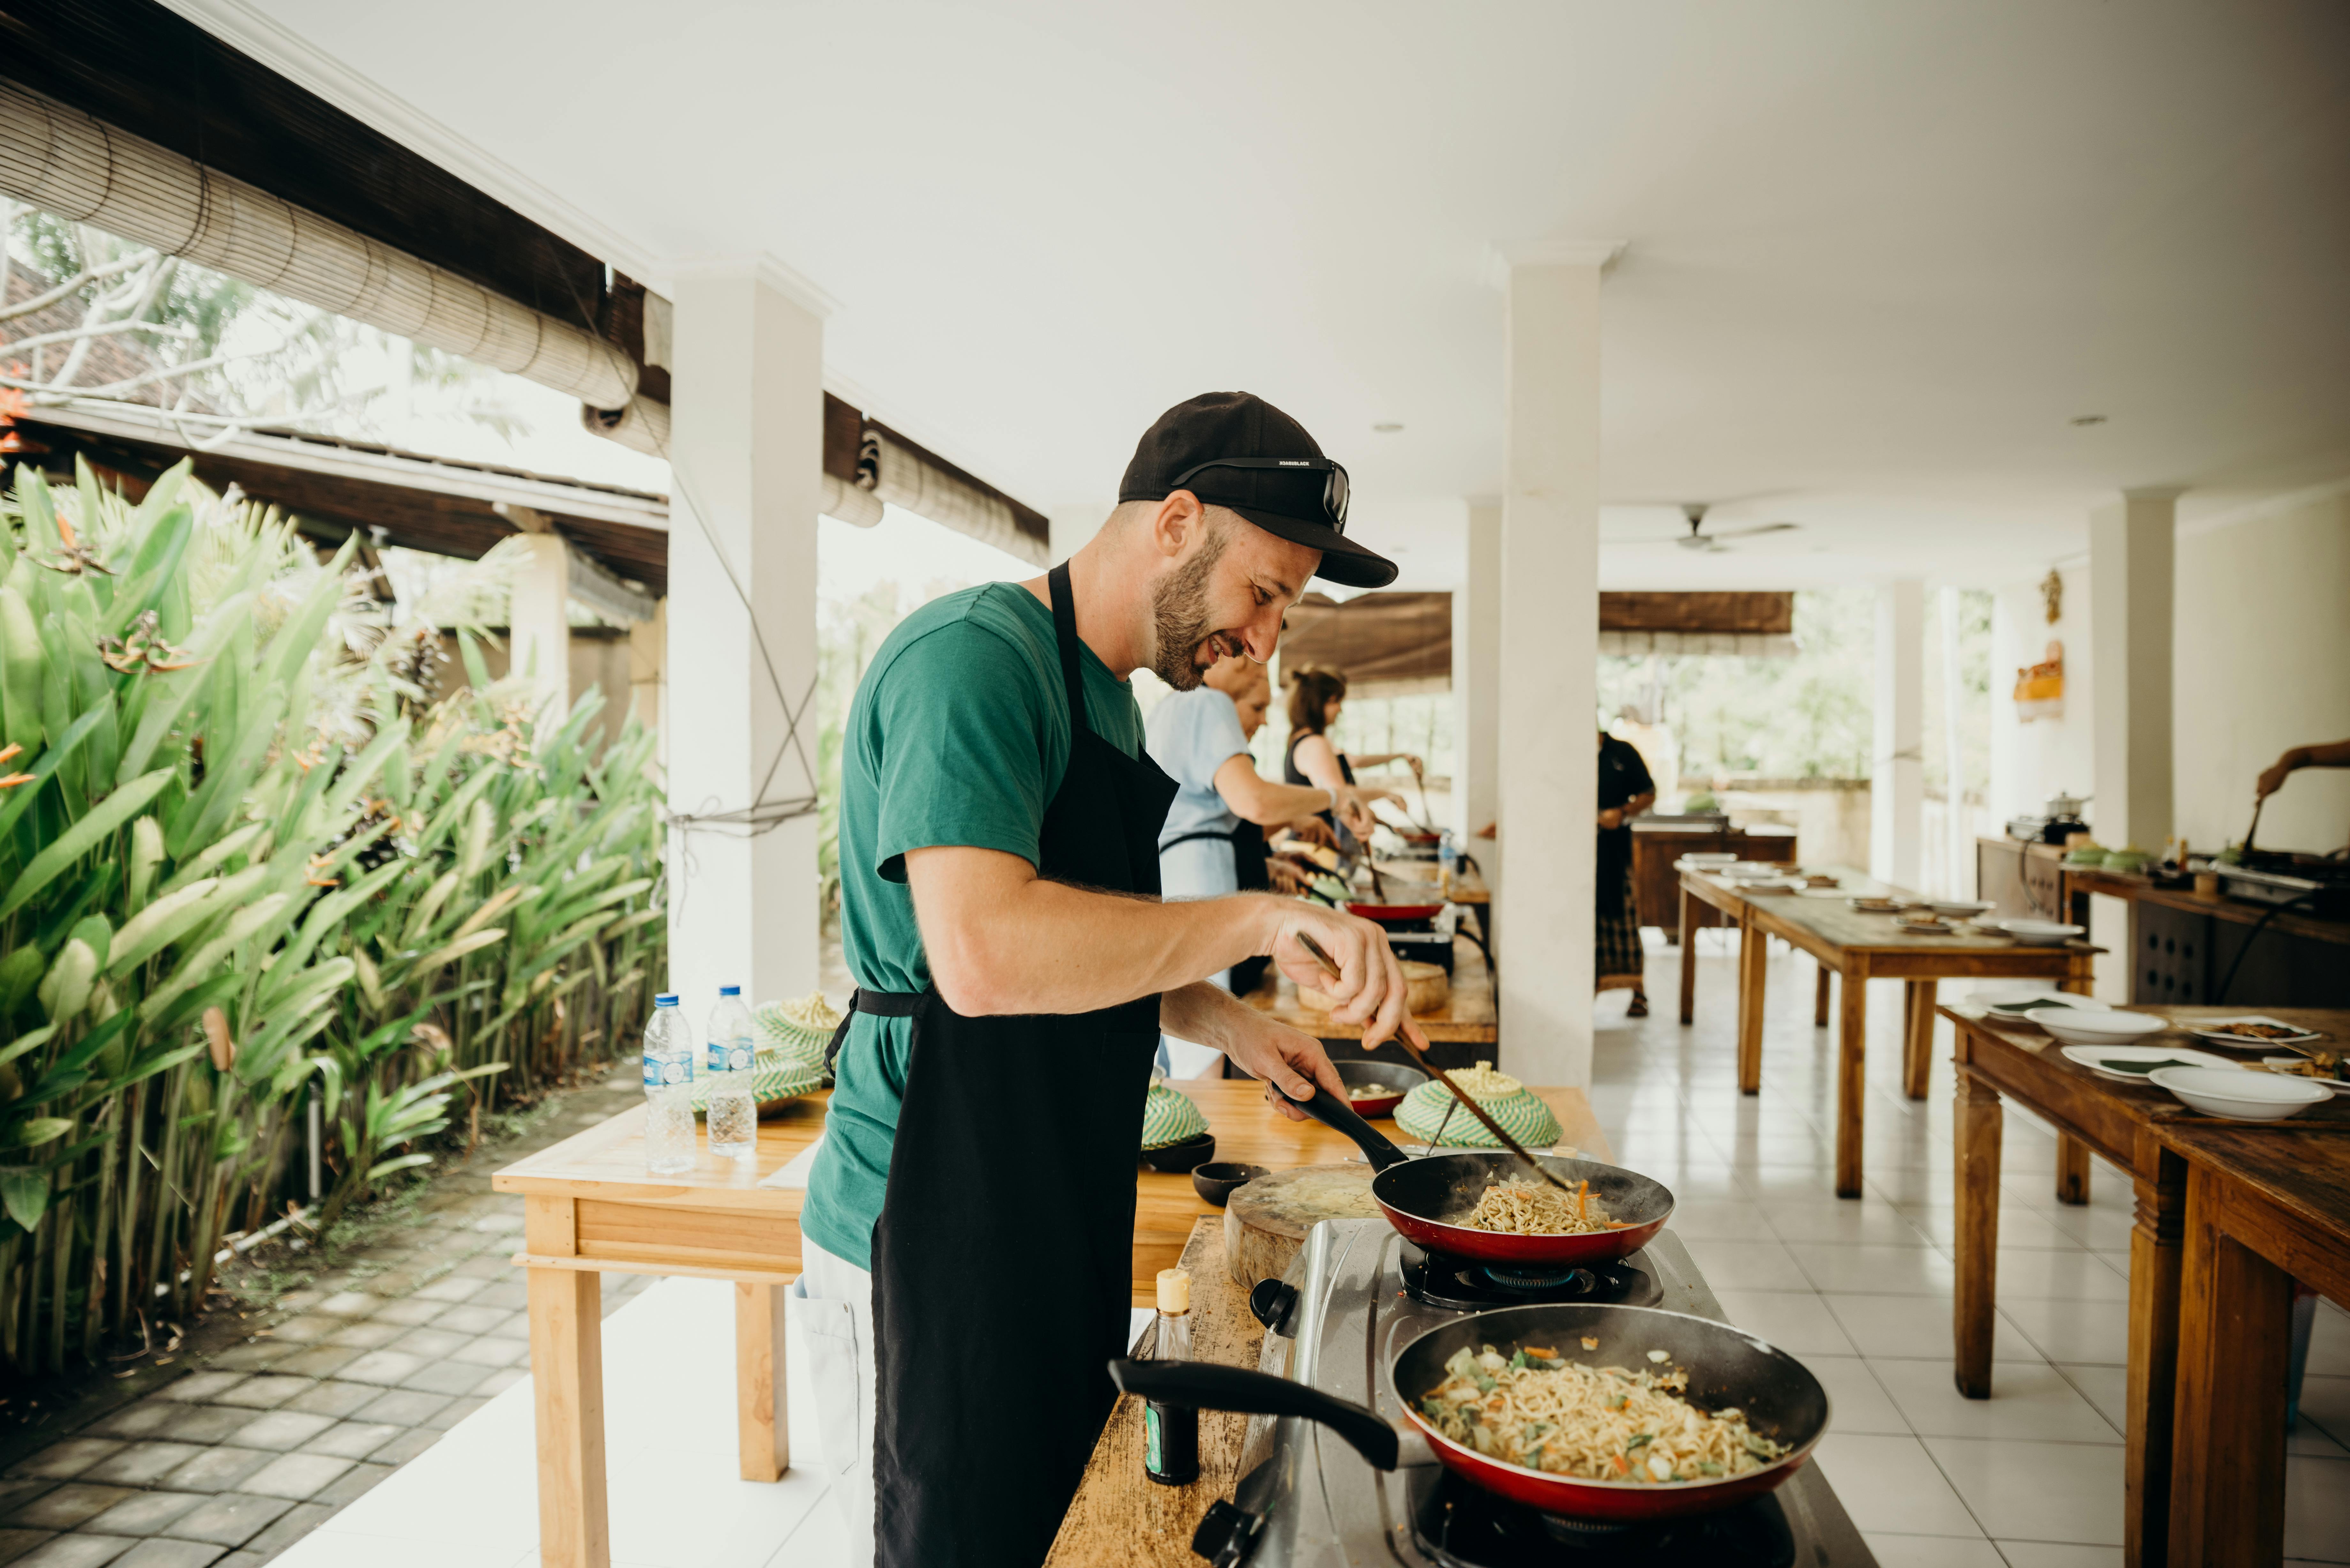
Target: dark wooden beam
x: 1755, y: 614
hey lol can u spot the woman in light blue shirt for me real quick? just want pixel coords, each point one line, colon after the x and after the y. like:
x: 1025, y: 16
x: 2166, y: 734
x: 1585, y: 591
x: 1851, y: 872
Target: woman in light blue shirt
x: 1213, y: 842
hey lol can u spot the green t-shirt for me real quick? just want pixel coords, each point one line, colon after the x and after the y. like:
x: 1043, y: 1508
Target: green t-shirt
x: 959, y: 734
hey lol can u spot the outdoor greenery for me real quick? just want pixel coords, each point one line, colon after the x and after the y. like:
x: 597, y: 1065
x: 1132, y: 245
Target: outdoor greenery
x: 246, y: 860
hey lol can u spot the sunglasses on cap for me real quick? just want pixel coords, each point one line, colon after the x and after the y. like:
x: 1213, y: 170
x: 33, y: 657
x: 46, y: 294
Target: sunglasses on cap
x: 1334, y: 480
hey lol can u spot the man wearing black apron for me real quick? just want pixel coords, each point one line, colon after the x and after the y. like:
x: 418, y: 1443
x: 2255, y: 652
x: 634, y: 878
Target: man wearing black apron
x: 999, y: 859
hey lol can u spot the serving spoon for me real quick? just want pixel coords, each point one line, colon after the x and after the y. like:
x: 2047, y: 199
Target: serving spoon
x: 1419, y: 1059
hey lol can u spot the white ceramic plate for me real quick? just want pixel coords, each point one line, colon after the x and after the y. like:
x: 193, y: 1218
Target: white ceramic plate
x: 2239, y: 1096
x: 2038, y: 933
x: 2094, y: 1057
x: 1755, y: 868
x: 1708, y: 858
x: 1822, y: 893
x: 2209, y: 1029
x: 1959, y: 909
x: 2097, y: 1026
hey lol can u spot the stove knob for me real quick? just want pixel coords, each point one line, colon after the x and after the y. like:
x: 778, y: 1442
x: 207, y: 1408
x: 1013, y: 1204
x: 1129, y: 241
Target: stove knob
x: 1272, y: 1302
x: 1225, y: 1534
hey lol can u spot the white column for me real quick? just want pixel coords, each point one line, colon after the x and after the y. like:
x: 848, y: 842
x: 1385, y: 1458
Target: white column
x: 2133, y: 549
x: 539, y: 607
x: 746, y: 457
x: 1546, y: 753
x: 1476, y: 687
x: 1897, y: 790
x: 1958, y: 858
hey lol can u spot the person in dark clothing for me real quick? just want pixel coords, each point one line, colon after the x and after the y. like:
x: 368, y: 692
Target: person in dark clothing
x: 1626, y: 791
x: 1314, y: 697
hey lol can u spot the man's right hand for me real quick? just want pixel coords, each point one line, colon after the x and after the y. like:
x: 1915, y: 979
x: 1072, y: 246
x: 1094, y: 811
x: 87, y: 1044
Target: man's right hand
x: 1369, y: 990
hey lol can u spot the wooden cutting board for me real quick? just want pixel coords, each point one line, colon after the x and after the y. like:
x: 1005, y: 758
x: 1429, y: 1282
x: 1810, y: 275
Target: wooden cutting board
x: 1265, y: 1222
x: 1427, y: 988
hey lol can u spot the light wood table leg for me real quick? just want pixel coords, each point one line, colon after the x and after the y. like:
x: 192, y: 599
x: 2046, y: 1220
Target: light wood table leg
x: 1978, y: 1118
x: 1852, y: 1078
x: 2227, y: 1500
x: 566, y: 1378
x: 1753, y: 966
x: 2072, y: 1169
x: 761, y: 1416
x: 1917, y: 1040
x: 2154, y: 1258
x: 1689, y: 956
x: 1820, y: 1003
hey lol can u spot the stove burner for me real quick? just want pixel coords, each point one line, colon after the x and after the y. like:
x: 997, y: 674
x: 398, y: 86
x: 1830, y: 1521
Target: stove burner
x: 1461, y: 1525
x: 1538, y: 1279
x: 1467, y: 1286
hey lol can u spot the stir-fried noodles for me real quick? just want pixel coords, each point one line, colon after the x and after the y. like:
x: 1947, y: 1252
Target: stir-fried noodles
x: 1537, y: 1409
x: 1518, y: 1206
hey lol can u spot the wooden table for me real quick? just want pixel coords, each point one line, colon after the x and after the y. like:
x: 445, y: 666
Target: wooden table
x: 2124, y: 1122
x: 2265, y: 1207
x: 1859, y: 947
x: 1656, y: 851
x: 591, y: 1208
x: 1468, y: 1017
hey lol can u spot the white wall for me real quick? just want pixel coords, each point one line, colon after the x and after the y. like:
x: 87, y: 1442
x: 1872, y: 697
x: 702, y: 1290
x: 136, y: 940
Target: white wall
x: 2264, y: 663
x: 2029, y: 762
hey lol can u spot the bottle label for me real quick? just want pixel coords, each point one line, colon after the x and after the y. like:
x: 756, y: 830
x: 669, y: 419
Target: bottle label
x: 676, y: 1070
x: 730, y: 1055
x: 652, y: 1070
x: 1152, y: 1458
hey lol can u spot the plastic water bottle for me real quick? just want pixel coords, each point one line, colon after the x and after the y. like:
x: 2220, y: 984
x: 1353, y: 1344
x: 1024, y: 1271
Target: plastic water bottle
x: 730, y: 1106
x: 669, y: 1088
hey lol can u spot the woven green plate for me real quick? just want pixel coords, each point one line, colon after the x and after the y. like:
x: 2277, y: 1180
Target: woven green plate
x: 1520, y: 1110
x: 798, y: 1031
x: 774, y: 1080
x: 1170, y: 1116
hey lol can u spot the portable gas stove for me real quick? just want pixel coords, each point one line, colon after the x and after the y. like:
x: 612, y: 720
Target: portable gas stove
x: 1358, y: 1292
x: 2314, y: 884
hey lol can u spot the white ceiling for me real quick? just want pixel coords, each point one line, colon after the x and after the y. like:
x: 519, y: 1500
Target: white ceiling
x: 1878, y: 256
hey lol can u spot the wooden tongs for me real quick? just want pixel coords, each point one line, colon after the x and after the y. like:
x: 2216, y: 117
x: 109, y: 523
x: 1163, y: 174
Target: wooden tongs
x: 1419, y: 1059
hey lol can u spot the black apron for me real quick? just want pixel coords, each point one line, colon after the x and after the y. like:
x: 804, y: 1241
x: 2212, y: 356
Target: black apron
x: 1292, y: 773
x: 1249, y: 855
x: 1004, y: 1256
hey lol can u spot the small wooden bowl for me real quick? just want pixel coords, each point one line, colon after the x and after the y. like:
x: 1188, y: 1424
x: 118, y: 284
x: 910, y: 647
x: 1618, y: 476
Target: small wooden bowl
x: 1219, y: 1179
x: 1427, y: 988
x: 1179, y: 1157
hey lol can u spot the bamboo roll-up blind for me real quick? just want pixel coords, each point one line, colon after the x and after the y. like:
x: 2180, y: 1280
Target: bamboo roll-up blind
x: 903, y: 478
x: 74, y: 166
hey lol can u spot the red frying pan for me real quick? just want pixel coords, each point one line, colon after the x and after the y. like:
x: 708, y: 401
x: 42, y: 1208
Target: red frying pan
x: 1726, y: 1367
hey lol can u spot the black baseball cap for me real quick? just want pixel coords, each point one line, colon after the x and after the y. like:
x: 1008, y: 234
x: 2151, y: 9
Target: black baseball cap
x: 1235, y: 449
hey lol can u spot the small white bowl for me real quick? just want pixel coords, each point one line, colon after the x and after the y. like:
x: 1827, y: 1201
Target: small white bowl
x: 2088, y: 1026
x: 2038, y: 933
x: 2237, y: 1095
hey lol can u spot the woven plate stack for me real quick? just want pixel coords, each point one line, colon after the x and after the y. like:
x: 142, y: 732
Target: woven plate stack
x: 796, y: 1031
x: 1170, y: 1117
x: 1503, y: 1097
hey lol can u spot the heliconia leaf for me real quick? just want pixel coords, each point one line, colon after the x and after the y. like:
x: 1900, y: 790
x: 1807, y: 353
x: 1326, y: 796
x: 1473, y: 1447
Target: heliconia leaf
x: 83, y: 836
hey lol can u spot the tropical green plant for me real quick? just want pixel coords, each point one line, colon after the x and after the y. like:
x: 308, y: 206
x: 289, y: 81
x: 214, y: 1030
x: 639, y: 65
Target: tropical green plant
x: 241, y: 862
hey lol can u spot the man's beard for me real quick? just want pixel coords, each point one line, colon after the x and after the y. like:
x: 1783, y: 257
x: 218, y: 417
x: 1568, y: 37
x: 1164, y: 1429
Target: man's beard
x: 1179, y: 609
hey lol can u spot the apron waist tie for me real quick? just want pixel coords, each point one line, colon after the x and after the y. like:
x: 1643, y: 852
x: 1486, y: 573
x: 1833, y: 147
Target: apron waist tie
x: 881, y: 1004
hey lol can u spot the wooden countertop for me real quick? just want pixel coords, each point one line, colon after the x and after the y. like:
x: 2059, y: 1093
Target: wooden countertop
x: 1119, y: 1514
x: 2129, y: 885
x: 605, y: 1164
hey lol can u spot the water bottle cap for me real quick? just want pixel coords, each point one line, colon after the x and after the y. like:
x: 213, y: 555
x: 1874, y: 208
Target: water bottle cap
x: 665, y: 999
x: 730, y: 991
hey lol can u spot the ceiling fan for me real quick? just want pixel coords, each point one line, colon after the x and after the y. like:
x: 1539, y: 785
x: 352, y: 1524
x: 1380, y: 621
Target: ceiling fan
x: 1717, y: 541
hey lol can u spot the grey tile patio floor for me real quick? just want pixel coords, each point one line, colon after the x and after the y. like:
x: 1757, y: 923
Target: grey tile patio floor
x: 347, y: 1379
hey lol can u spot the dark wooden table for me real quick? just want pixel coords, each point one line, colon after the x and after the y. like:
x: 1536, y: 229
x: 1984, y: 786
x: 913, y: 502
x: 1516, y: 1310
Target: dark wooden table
x: 2265, y: 1207
x: 1656, y: 851
x: 1858, y: 947
x: 2000, y: 1059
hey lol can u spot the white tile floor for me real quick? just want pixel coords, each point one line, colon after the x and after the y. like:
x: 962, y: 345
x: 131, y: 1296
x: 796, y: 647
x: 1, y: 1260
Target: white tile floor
x: 2030, y: 1478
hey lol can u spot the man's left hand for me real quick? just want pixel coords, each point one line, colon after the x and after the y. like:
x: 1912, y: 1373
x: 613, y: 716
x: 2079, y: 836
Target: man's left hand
x: 1287, y: 1061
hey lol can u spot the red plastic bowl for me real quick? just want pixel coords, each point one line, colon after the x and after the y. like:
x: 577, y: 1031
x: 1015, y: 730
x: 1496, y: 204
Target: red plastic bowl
x: 1384, y: 912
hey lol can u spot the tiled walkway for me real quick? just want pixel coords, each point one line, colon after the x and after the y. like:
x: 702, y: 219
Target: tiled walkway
x: 2030, y: 1478
x: 351, y: 1377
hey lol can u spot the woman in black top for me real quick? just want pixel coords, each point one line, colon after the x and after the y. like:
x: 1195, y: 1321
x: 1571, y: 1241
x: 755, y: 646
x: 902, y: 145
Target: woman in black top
x: 1626, y: 791
x: 1314, y: 697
